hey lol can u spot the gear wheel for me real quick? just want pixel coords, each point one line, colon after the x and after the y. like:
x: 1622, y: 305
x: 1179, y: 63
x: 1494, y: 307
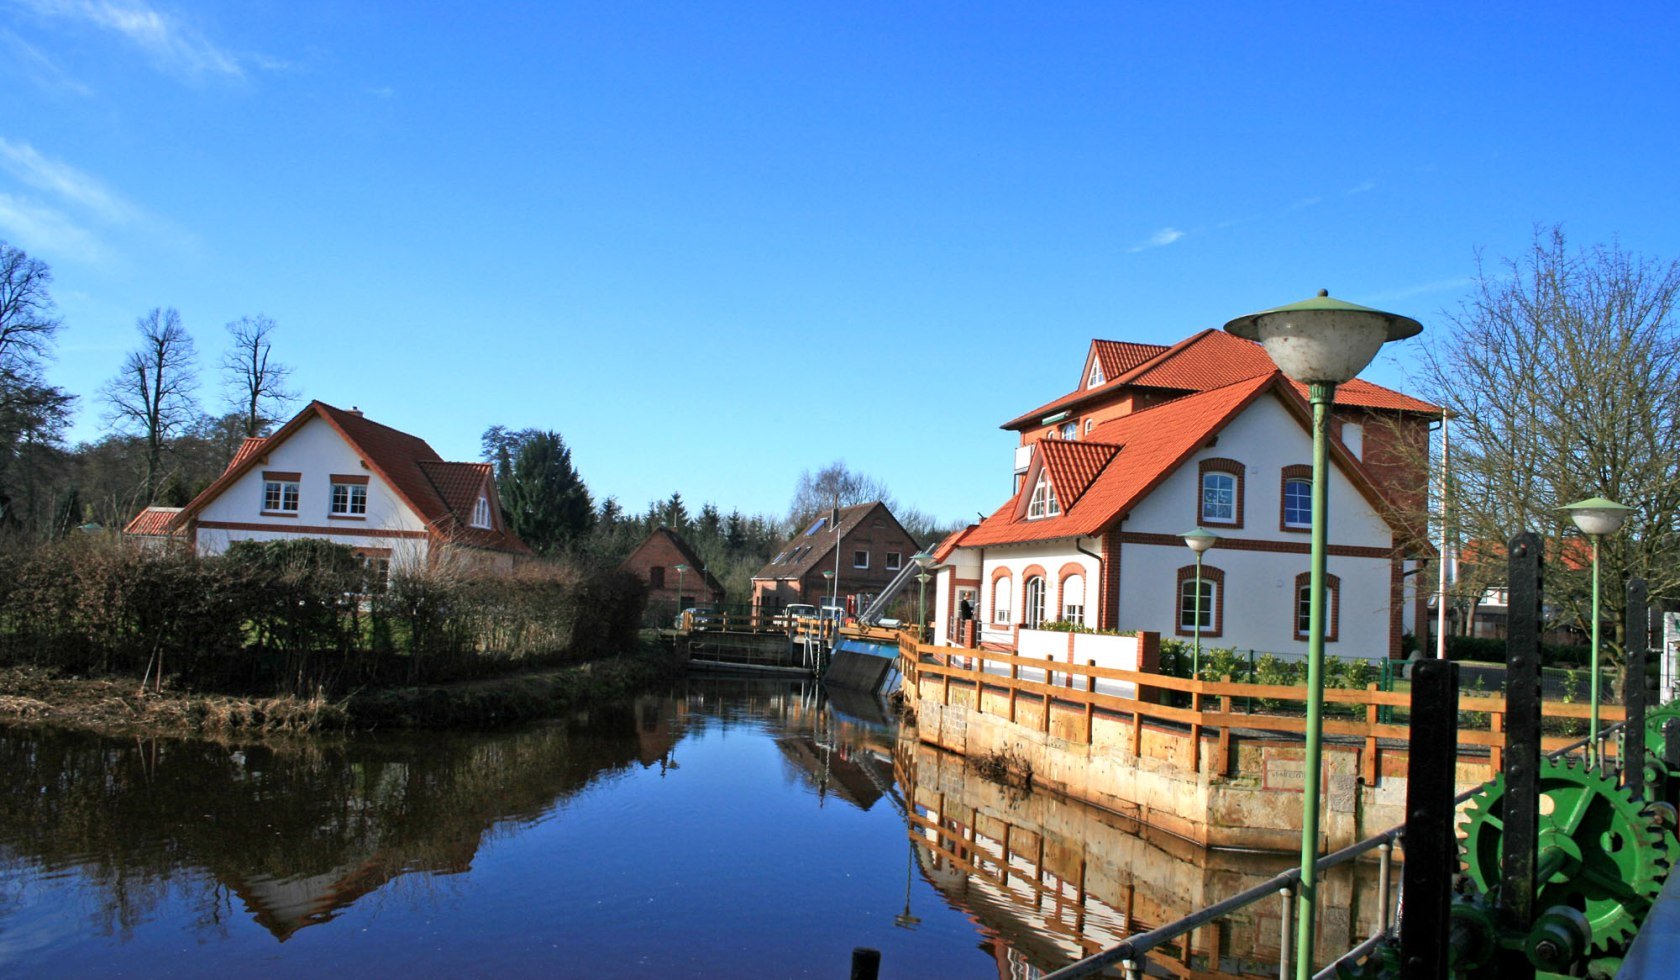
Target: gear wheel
x: 1601, y: 852
x: 1654, y: 719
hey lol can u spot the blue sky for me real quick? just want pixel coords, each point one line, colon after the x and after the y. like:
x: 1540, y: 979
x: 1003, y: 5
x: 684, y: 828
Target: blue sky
x: 715, y: 244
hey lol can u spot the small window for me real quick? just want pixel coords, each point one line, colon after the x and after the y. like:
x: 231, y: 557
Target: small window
x: 481, y: 513
x: 1070, y: 430
x: 656, y: 576
x: 860, y: 559
x: 1088, y: 424
x: 1192, y: 614
x: 1043, y: 502
x: 818, y: 526
x: 1096, y: 376
x: 1000, y: 600
x: 1034, y: 601
x: 1220, y: 493
x: 349, y: 499
x: 1073, y: 599
x: 1297, y: 502
x: 280, y: 496
x: 1209, y: 611
x: 1303, y: 606
x: 895, y: 560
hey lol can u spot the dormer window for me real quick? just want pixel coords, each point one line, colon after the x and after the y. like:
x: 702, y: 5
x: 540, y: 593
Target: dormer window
x: 1043, y: 502
x: 481, y: 513
x: 1096, y: 377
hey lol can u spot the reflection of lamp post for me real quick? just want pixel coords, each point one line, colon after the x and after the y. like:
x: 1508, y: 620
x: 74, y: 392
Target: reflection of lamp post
x: 924, y: 561
x: 682, y: 570
x: 1319, y: 342
x: 1199, y: 540
x: 904, y: 920
x: 1596, y: 517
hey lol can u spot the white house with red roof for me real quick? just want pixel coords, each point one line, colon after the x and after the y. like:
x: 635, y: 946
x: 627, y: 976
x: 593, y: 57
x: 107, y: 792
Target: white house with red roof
x: 1157, y: 440
x: 334, y: 474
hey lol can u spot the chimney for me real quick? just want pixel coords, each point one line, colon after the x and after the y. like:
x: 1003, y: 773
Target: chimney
x: 355, y: 411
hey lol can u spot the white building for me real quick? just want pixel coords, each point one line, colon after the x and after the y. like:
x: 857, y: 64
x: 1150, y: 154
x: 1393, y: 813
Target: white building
x: 1205, y: 433
x: 336, y: 475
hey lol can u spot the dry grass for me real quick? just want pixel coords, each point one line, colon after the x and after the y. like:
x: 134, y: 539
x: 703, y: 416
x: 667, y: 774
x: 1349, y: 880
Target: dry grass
x: 1006, y: 767
x: 32, y: 695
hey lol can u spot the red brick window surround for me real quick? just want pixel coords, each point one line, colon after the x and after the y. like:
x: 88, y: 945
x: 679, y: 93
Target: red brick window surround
x: 349, y: 497
x: 280, y: 493
x: 1002, y: 593
x: 1072, y: 595
x: 1303, y: 606
x: 1295, y: 499
x: 1213, y: 601
x: 1219, y: 493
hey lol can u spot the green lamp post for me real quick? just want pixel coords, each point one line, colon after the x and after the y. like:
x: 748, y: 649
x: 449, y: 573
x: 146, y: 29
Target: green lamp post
x: 682, y: 574
x: 1319, y: 342
x: 1199, y: 540
x: 924, y: 561
x: 1596, y: 517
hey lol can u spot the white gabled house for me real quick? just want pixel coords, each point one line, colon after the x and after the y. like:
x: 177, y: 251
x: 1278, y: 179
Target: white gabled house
x: 1158, y: 440
x: 336, y: 475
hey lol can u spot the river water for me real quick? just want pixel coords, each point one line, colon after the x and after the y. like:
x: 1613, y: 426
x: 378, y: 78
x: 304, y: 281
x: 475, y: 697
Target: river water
x: 727, y: 828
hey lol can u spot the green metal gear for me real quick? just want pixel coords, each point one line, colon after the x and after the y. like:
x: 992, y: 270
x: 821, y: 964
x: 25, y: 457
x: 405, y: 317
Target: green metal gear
x: 1601, y: 851
x: 1654, y: 719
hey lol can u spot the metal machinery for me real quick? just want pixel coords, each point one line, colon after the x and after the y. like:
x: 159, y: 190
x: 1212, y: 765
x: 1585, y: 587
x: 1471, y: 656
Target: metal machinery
x: 1557, y: 861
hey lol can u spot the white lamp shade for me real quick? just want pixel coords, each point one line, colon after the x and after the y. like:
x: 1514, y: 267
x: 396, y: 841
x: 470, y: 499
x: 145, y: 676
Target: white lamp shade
x: 1323, y: 340
x: 1199, y: 539
x: 1598, y: 516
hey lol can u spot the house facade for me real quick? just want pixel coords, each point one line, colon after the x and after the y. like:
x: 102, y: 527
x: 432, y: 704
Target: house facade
x: 872, y: 549
x: 1159, y: 440
x: 656, y: 561
x: 333, y: 474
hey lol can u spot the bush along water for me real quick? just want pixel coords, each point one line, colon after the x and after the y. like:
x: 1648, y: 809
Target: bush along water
x: 300, y: 617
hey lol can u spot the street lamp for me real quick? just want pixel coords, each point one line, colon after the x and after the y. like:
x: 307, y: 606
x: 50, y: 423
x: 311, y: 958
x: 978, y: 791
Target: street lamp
x: 682, y: 571
x: 833, y: 602
x: 1596, y: 517
x: 924, y: 561
x: 1199, y: 539
x: 1319, y: 342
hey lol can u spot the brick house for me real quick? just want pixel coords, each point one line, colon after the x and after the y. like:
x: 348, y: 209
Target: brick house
x: 655, y: 561
x: 1156, y: 440
x: 873, y: 548
x: 334, y: 474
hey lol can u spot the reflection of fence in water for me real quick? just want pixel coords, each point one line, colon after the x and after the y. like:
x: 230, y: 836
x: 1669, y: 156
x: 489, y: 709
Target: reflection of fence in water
x: 1056, y: 880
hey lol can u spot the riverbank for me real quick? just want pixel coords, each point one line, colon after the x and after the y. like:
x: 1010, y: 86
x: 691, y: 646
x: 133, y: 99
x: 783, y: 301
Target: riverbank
x: 37, y: 696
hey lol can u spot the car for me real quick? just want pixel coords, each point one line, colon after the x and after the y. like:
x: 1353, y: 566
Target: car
x: 795, y: 612
x: 697, y: 616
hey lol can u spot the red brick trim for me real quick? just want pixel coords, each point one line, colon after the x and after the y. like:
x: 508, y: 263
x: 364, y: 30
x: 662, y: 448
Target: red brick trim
x: 1333, y: 591
x: 1297, y: 471
x: 1108, y: 580
x: 1244, y: 544
x: 1396, y: 610
x: 350, y: 479
x: 1027, y: 575
x: 306, y: 529
x: 282, y: 477
x: 1219, y: 465
x: 1187, y: 574
x: 998, y: 574
x: 1067, y: 571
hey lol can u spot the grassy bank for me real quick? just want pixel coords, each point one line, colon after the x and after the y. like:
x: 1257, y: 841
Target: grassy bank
x: 117, y: 705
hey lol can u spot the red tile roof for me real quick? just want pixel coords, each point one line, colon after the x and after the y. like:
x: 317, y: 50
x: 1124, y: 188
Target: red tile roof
x: 1119, y: 356
x: 245, y: 450
x: 1205, y: 361
x: 1073, y: 465
x: 152, y: 522
x: 402, y: 461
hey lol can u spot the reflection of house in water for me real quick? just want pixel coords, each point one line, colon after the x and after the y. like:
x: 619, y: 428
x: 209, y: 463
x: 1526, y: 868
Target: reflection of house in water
x: 285, y: 905
x: 1055, y: 880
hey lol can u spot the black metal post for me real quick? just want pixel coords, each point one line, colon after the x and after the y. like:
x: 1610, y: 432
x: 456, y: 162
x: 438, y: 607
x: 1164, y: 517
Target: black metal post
x: 1637, y: 620
x: 1521, y: 802
x: 866, y: 963
x: 1671, y: 756
x: 1431, y: 848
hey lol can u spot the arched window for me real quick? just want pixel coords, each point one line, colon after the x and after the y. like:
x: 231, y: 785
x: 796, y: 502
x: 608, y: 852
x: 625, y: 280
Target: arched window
x: 1043, y: 502
x: 1220, y: 492
x: 1073, y: 599
x: 1034, y: 600
x: 1096, y: 376
x: 1002, y: 590
x: 1297, y: 499
x: 1211, y: 608
x: 1303, y: 606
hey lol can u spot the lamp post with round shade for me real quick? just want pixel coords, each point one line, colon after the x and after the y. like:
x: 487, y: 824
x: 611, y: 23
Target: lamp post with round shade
x: 1199, y: 540
x: 924, y: 561
x: 682, y: 573
x: 1319, y: 342
x: 1596, y: 517
x: 833, y: 603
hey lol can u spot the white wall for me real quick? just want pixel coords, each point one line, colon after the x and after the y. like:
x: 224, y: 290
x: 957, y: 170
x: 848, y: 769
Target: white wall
x: 1050, y: 556
x: 317, y: 452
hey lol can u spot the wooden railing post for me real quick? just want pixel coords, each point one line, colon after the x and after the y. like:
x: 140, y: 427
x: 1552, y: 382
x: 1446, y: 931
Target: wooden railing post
x: 1369, y: 769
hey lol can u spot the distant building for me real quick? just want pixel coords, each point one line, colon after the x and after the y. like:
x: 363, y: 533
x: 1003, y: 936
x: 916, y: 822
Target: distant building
x: 873, y: 548
x: 655, y: 561
x: 151, y: 529
x: 338, y: 476
x: 1156, y: 440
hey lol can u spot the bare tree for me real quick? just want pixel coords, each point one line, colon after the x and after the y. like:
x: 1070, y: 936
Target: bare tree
x: 818, y: 491
x: 33, y: 414
x: 1563, y: 374
x: 256, y: 383
x: 27, y: 323
x: 153, y: 394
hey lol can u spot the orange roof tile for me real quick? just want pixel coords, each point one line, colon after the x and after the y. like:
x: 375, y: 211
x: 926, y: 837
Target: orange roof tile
x: 1073, y: 465
x: 1119, y: 356
x: 152, y: 522
x: 246, y: 449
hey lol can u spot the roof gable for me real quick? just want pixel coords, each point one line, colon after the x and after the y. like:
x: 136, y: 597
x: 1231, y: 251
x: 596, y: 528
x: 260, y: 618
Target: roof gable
x: 1074, y: 465
x: 814, y: 542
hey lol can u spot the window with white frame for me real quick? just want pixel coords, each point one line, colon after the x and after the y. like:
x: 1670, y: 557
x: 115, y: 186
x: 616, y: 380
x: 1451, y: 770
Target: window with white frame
x: 1190, y: 612
x: 1219, y: 498
x: 860, y: 559
x: 280, y: 493
x: 481, y: 513
x: 895, y: 560
x: 1088, y: 424
x: 1096, y: 376
x: 1303, y: 606
x: 1043, y: 502
x: 349, y: 499
x: 1033, y: 600
x: 1297, y: 502
x: 1001, y: 593
x: 1073, y: 599
x: 1070, y: 430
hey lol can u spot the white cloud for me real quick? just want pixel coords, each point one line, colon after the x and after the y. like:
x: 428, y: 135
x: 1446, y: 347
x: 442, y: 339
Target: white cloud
x: 37, y: 228
x: 173, y: 46
x: 26, y: 163
x: 1166, y: 236
x: 29, y: 60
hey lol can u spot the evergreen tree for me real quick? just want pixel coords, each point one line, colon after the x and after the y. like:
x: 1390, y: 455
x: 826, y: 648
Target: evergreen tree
x: 545, y: 499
